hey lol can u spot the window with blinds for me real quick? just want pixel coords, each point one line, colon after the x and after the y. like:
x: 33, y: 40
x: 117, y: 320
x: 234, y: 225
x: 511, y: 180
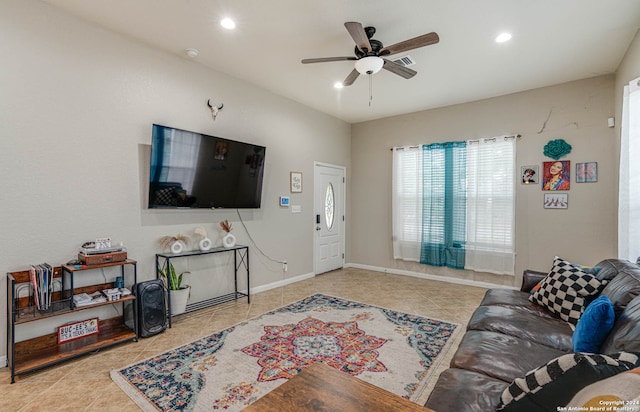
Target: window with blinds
x: 481, y: 199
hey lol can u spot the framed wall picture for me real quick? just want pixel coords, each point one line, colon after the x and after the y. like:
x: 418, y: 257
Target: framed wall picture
x: 295, y: 181
x: 529, y: 175
x: 556, y: 175
x: 556, y: 200
x: 587, y: 172
x: 221, y: 150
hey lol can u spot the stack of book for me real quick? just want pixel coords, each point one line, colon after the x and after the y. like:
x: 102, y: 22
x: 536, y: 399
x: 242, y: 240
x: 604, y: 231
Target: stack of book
x: 84, y: 299
x: 42, y: 282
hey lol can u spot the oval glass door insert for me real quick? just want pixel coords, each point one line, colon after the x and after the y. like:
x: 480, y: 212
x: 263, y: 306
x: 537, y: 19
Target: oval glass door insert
x: 329, y: 207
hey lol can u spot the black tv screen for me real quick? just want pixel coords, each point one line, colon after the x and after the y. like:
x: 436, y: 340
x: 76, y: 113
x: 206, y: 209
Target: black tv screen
x: 193, y: 170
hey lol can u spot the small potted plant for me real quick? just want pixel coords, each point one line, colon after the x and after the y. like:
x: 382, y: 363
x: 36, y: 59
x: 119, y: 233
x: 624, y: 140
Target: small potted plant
x: 179, y: 293
x: 229, y: 240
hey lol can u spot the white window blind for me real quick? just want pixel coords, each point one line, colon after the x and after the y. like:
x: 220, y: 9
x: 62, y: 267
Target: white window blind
x: 629, y: 190
x: 490, y: 205
x: 406, y: 202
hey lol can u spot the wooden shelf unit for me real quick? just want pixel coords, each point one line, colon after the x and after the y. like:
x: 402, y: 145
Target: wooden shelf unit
x: 43, y: 351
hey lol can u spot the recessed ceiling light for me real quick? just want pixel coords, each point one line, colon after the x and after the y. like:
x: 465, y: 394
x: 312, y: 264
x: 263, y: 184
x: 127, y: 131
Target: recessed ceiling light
x: 227, y: 23
x: 338, y: 85
x: 193, y: 53
x: 503, y: 37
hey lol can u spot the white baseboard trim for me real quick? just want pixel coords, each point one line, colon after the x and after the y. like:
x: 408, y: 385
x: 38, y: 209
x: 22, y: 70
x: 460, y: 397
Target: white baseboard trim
x: 467, y: 282
x: 280, y: 283
x: 306, y: 276
x: 3, y: 361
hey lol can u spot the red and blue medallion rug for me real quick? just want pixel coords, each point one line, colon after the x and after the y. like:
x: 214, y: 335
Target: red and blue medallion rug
x: 234, y: 367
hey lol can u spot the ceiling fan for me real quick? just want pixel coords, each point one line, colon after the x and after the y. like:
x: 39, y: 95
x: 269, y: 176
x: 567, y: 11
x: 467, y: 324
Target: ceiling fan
x: 370, y: 54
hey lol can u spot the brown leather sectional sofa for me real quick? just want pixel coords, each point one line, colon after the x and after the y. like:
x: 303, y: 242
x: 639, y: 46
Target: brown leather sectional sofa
x: 508, y: 336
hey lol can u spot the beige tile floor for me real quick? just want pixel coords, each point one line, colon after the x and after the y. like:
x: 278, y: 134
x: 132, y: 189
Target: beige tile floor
x: 84, y: 384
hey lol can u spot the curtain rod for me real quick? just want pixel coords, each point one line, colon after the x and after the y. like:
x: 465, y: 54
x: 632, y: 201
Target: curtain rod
x: 513, y: 136
x: 488, y: 139
x: 402, y: 148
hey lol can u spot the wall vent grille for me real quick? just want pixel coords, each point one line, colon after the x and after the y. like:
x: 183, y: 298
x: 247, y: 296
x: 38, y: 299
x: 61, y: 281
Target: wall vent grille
x: 405, y: 61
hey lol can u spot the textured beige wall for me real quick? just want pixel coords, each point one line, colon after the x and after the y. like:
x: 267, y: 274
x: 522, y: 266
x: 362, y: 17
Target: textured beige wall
x: 76, y: 107
x: 576, y: 111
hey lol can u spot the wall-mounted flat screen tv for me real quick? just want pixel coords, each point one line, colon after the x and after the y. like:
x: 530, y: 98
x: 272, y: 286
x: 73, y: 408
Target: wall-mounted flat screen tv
x: 194, y: 170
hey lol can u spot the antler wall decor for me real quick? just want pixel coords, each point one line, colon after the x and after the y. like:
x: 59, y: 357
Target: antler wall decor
x: 214, y: 109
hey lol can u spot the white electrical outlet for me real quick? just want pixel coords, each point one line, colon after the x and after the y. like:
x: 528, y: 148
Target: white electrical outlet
x: 296, y: 208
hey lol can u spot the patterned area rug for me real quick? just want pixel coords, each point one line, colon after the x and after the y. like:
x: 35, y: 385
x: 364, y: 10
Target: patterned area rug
x: 234, y: 367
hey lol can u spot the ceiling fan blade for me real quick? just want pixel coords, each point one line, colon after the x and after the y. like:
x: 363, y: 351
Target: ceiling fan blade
x: 358, y: 35
x: 416, y: 42
x: 399, y: 69
x: 327, y: 59
x: 351, y: 78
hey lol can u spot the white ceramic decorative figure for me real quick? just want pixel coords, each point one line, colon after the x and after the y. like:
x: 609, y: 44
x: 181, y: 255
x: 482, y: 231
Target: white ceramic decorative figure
x: 205, y: 243
x: 177, y: 247
x: 176, y: 244
x: 229, y: 240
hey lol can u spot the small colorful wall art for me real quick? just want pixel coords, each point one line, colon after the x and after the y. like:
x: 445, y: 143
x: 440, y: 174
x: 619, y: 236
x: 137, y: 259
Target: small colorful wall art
x: 556, y: 200
x: 556, y: 175
x: 529, y: 175
x: 586, y: 172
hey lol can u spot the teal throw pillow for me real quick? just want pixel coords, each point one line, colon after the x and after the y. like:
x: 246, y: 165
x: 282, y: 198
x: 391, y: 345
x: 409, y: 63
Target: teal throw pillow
x: 594, y: 325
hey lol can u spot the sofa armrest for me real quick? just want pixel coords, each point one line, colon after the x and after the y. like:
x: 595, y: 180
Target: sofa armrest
x: 530, y: 278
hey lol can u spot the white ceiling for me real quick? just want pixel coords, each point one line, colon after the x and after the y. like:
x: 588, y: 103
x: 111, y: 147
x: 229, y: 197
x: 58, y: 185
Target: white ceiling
x: 554, y: 41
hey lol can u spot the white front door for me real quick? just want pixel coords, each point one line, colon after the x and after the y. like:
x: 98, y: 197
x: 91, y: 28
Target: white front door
x: 329, y: 186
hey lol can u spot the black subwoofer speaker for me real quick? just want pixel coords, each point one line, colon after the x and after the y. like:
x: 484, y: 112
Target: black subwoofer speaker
x: 152, y: 313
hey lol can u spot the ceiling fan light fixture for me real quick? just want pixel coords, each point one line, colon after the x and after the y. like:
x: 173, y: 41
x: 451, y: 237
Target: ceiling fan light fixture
x: 369, y: 65
x: 338, y: 85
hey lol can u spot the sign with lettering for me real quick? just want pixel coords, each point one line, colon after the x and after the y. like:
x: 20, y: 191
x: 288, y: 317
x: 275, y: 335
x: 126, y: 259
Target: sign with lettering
x: 77, y: 330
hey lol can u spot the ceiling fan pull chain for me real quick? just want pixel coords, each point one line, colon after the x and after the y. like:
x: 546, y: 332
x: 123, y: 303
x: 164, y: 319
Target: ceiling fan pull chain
x: 370, y: 89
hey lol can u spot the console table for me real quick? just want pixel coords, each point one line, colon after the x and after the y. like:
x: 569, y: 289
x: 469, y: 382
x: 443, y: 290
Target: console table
x: 240, y: 259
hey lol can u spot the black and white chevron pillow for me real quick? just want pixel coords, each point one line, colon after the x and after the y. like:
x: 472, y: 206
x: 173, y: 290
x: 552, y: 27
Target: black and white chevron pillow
x: 565, y: 290
x: 554, y: 384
